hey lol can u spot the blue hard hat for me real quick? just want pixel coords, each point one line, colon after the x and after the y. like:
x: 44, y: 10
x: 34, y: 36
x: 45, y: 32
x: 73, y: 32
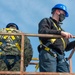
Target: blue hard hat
x: 12, y: 24
x: 62, y: 7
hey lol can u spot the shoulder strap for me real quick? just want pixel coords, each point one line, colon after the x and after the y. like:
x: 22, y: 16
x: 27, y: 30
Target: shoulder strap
x: 53, y: 40
x: 49, y: 22
x: 14, y: 38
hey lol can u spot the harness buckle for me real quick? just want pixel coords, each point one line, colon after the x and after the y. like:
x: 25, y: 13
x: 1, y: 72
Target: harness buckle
x: 44, y: 47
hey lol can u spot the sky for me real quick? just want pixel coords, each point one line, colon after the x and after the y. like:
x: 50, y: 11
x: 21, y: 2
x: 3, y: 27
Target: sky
x: 28, y: 13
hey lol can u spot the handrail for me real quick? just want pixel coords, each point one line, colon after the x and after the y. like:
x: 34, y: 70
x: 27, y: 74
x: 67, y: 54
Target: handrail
x: 35, y: 35
x: 22, y: 47
x: 71, y: 54
x: 22, y: 55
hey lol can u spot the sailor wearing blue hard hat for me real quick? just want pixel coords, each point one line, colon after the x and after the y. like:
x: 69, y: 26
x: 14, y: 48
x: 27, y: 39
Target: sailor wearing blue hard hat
x: 52, y: 50
x: 12, y: 25
x: 62, y: 11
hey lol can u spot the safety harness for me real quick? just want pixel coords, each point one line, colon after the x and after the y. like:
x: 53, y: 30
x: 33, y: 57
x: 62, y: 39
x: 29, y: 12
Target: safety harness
x: 3, y: 43
x: 45, y: 47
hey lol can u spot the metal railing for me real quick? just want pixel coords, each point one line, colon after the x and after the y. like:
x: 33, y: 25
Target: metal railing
x: 22, y: 72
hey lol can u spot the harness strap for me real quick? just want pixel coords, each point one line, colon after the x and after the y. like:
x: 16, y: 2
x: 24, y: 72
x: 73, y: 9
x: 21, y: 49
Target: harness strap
x: 44, y: 47
x: 64, y: 44
x: 12, y: 37
x: 53, y: 40
x: 37, y: 66
x: 5, y: 59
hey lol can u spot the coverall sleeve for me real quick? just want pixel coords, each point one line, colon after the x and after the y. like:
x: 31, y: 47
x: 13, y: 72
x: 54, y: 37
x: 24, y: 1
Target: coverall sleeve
x: 70, y: 46
x: 45, y: 27
x: 28, y: 51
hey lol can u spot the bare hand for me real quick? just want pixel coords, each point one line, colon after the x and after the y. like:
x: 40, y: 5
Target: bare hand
x: 66, y: 35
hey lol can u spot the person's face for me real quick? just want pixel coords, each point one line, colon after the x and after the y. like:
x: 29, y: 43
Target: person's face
x: 62, y: 12
x: 61, y: 15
